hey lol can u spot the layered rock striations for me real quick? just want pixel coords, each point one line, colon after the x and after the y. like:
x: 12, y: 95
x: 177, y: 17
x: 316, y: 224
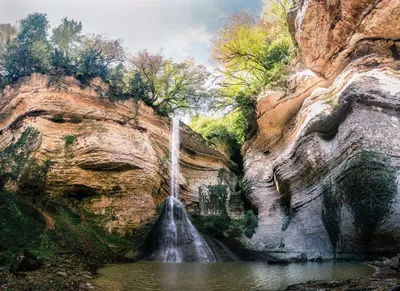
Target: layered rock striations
x: 323, y: 168
x: 113, y: 157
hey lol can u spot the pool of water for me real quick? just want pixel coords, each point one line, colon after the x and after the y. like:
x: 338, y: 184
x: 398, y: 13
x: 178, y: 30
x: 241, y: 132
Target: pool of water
x: 222, y: 276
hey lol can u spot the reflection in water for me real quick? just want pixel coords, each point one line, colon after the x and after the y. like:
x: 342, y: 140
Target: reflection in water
x: 222, y: 276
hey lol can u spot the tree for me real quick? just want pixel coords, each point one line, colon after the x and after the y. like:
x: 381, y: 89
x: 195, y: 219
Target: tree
x: 117, y: 83
x: 8, y: 34
x: 250, y: 53
x: 91, y: 64
x: 33, y: 28
x: 171, y: 85
x: 29, y: 52
x: 111, y: 51
x: 138, y: 89
x: 67, y: 36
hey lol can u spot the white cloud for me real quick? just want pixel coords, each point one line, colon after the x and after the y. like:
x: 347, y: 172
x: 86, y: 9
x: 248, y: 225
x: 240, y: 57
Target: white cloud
x: 179, y: 44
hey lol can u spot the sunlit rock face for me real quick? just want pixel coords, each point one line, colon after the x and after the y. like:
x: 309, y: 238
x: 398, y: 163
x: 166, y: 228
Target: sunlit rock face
x: 332, y: 33
x: 113, y: 157
x: 323, y: 167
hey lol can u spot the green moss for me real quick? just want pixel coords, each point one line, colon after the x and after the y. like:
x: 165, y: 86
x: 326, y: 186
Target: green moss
x: 21, y: 226
x: 69, y: 140
x: 213, y: 199
x: 76, y: 230
x: 14, y: 157
x: 220, y: 225
x: 80, y: 231
x: 368, y: 187
x: 33, y: 178
x: 59, y: 118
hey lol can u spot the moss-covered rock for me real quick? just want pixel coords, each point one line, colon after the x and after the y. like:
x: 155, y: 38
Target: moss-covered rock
x: 368, y: 185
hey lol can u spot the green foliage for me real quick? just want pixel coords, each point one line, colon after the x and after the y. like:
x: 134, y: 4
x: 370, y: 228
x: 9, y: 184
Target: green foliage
x: 21, y: 225
x: 75, y: 118
x: 14, y: 157
x: 29, y: 52
x: 227, y: 132
x: 33, y: 178
x: 80, y: 231
x: 250, y: 222
x: 33, y: 28
x: 58, y: 118
x: 230, y: 128
x: 66, y: 37
x: 369, y: 189
x: 138, y: 89
x: 61, y: 64
x: 213, y: 200
x: 220, y: 225
x: 170, y: 85
x: 161, y: 83
x: 76, y: 230
x: 91, y: 64
x: 251, y: 56
x: 117, y: 83
x: 69, y: 140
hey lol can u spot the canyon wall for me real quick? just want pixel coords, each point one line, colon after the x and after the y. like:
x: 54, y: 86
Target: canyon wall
x: 324, y: 166
x: 110, y: 156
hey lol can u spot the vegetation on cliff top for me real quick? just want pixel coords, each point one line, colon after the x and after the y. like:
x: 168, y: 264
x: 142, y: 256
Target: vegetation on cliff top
x: 250, y: 56
x: 159, y: 82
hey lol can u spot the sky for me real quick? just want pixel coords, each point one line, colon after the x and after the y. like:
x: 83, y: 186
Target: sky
x: 180, y: 28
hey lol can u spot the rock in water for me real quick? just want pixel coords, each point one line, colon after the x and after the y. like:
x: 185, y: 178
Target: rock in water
x: 175, y: 239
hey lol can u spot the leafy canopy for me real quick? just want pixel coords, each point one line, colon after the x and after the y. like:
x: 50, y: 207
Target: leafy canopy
x: 171, y: 85
x: 251, y: 55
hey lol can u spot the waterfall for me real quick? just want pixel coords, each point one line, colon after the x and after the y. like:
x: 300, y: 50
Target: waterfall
x: 174, y: 145
x: 173, y: 237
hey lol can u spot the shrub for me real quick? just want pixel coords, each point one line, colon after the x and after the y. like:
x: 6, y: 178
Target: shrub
x: 220, y: 226
x: 69, y: 139
x: 58, y: 118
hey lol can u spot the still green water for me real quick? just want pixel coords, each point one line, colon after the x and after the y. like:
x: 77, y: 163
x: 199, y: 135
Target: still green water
x: 222, y: 276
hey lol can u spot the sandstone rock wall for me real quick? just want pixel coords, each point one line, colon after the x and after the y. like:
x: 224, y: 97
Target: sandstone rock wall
x: 323, y: 167
x: 111, y: 156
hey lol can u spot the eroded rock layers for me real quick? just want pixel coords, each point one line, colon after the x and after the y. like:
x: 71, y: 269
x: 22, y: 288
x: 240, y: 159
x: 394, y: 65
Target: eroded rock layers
x: 324, y: 165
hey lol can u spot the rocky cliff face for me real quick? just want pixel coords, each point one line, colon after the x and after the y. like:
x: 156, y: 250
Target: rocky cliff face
x: 324, y: 165
x: 113, y: 157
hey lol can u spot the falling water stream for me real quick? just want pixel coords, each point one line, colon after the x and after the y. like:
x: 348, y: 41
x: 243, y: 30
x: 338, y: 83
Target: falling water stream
x: 173, y: 237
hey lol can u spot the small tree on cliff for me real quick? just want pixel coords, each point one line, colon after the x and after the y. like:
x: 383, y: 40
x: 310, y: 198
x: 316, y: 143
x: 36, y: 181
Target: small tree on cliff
x: 171, y: 85
x: 67, y: 36
x: 65, y: 39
